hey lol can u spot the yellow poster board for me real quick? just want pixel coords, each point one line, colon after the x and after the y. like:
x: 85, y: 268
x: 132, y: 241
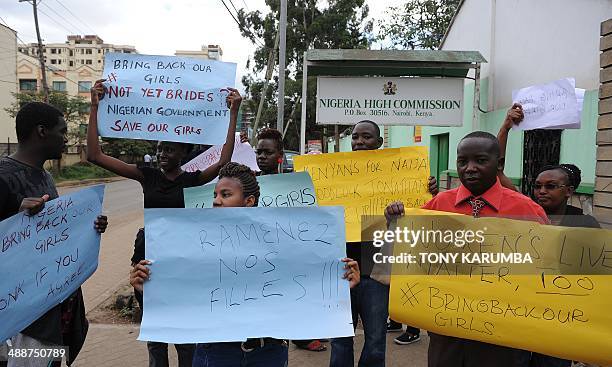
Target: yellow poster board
x: 559, y: 305
x: 365, y: 182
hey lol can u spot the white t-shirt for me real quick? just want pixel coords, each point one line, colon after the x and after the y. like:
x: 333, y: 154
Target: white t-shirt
x: 147, y: 158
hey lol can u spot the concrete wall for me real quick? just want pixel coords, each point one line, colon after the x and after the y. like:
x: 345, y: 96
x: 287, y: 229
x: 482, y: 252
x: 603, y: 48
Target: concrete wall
x: 8, y: 84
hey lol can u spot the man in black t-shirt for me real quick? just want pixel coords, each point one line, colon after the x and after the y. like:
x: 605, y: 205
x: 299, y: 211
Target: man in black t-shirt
x: 25, y: 185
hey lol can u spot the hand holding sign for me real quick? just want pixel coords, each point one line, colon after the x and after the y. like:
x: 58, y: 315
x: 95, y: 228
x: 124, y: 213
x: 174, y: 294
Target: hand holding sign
x: 33, y: 205
x: 139, y: 274
x: 548, y: 105
x: 233, y: 99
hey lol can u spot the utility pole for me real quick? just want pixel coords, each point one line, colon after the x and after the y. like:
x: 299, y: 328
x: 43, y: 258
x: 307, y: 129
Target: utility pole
x: 264, y: 89
x: 41, y: 56
x: 282, y: 29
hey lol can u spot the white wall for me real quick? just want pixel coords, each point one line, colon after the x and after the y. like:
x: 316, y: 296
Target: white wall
x: 471, y: 31
x: 534, y: 41
x: 8, y: 82
x: 537, y: 41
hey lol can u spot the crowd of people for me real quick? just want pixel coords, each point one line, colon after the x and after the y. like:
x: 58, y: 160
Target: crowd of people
x: 484, y: 190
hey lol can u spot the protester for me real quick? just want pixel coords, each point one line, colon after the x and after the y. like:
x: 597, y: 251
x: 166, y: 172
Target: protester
x: 26, y: 186
x: 553, y: 187
x: 370, y: 300
x: 238, y: 187
x: 269, y: 151
x: 147, y: 160
x: 479, y: 194
x: 162, y: 187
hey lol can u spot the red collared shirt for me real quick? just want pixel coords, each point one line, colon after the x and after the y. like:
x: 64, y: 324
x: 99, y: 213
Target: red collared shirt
x: 500, y: 202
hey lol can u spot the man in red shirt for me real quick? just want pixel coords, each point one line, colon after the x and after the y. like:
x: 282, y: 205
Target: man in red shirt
x: 480, y: 194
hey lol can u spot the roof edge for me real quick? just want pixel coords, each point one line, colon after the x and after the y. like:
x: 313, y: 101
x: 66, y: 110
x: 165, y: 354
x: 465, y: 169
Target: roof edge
x: 450, y: 25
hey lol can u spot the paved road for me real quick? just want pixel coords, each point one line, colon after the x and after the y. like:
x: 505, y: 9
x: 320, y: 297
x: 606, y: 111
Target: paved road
x: 123, y: 205
x: 116, y: 345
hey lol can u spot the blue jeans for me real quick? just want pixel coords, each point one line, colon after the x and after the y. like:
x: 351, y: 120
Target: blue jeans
x: 370, y: 301
x: 231, y: 355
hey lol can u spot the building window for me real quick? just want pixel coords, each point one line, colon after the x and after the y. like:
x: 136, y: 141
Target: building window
x: 27, y: 84
x: 53, y: 50
x: 99, y: 61
x: 82, y: 51
x: 88, y: 51
x: 70, y: 53
x: 59, y: 86
x: 84, y: 86
x: 88, y: 62
x: 71, y: 63
x: 82, y: 62
x: 53, y: 61
x: 59, y: 62
x: 59, y: 50
x: 99, y: 51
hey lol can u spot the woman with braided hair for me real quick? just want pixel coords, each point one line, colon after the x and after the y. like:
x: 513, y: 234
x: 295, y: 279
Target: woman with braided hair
x: 238, y: 187
x: 553, y: 187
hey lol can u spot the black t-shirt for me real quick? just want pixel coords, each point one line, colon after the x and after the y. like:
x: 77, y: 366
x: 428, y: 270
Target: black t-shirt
x: 160, y: 192
x: 18, y: 181
x: 575, y: 217
x: 363, y: 253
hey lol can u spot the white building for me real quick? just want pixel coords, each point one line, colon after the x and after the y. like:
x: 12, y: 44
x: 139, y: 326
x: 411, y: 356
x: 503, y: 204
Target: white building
x: 210, y: 52
x: 8, y: 86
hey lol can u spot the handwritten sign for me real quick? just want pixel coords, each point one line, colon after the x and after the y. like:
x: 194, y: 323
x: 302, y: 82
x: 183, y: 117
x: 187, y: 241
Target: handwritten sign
x: 237, y: 273
x: 580, y: 101
x: 46, y: 257
x: 365, y: 182
x: 564, y: 292
x: 243, y: 153
x: 277, y: 191
x: 165, y: 98
x: 548, y: 105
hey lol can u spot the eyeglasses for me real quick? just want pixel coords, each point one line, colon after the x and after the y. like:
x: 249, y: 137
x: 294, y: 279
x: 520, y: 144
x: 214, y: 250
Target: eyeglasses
x: 548, y: 187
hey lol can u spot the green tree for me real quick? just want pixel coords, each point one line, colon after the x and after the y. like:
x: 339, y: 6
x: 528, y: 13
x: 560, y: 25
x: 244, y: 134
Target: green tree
x: 339, y: 24
x: 418, y: 24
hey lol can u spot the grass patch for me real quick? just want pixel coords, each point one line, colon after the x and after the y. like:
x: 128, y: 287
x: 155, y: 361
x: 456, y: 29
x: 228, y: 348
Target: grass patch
x: 81, y: 171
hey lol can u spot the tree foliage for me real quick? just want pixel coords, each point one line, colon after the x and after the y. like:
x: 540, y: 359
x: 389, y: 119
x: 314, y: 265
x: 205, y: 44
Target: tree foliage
x: 338, y: 24
x: 418, y: 24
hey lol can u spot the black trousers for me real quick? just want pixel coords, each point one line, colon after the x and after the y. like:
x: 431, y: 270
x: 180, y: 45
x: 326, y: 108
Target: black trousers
x: 446, y: 351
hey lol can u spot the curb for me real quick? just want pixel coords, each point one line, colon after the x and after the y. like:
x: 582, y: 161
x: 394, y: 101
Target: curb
x: 91, y: 181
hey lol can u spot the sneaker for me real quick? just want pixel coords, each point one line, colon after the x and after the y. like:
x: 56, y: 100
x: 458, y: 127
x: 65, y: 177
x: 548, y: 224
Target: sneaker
x: 393, y: 326
x: 407, y: 338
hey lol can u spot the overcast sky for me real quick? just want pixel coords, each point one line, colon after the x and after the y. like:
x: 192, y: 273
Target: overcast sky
x: 153, y: 26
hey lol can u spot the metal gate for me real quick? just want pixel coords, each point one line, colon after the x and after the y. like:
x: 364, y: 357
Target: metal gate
x: 540, y: 148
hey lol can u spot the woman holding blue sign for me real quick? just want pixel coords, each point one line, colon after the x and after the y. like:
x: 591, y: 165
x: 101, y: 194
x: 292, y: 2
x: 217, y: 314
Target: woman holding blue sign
x: 238, y: 187
x: 162, y: 188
